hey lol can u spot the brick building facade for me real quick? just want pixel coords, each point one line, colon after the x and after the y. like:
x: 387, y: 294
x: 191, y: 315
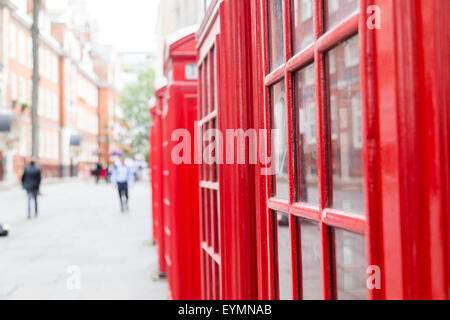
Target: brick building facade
x: 77, y: 92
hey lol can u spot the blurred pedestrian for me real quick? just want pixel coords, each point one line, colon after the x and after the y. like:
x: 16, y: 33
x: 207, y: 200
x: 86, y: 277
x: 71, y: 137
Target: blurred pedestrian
x: 122, y: 177
x: 97, y: 172
x: 103, y: 173
x: 110, y: 170
x: 31, y: 182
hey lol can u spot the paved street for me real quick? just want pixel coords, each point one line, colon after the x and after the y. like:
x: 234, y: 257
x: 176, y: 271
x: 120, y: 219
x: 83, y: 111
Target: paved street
x: 80, y: 238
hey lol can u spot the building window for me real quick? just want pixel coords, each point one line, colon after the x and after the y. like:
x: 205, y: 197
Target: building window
x: 14, y: 95
x: 41, y: 110
x: 23, y: 90
x: 13, y: 41
x: 30, y: 53
x: 22, y: 48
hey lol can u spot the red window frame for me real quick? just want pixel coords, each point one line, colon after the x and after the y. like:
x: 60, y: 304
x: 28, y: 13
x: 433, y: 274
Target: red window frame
x: 326, y: 217
x: 210, y: 209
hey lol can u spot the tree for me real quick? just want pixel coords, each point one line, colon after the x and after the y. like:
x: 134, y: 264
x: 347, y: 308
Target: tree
x: 134, y: 103
x: 36, y: 79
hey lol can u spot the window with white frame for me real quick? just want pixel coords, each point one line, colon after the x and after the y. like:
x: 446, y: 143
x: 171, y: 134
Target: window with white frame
x: 30, y: 91
x: 49, y: 104
x: 41, y: 102
x: 55, y: 102
x: 55, y: 69
x: 23, y: 142
x: 41, y: 61
x: 41, y: 143
x: 23, y: 90
x: 13, y: 87
x: 13, y: 41
x: 30, y: 53
x: 48, y: 66
x: 22, y: 48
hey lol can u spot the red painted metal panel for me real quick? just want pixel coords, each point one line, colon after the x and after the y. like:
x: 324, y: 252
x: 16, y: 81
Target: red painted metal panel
x: 157, y: 178
x: 404, y: 83
x: 234, y: 111
x: 176, y: 208
x: 154, y: 172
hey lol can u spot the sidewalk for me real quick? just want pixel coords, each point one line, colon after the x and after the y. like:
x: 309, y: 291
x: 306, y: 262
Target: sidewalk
x: 80, y: 228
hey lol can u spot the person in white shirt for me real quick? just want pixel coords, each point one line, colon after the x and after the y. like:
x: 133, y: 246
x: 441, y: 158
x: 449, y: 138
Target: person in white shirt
x: 122, y: 176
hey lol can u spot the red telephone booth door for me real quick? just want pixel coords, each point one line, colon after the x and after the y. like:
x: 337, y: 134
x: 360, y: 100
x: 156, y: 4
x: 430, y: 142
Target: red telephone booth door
x: 317, y: 205
x: 354, y: 114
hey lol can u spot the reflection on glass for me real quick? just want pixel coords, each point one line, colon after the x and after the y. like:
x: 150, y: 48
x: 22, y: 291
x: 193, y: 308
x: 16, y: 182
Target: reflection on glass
x: 284, y: 256
x: 205, y: 165
x: 276, y: 33
x: 310, y: 253
x: 350, y: 254
x: 205, y: 88
x: 303, y: 24
x: 202, y: 94
x: 346, y: 131
x: 306, y: 161
x: 337, y: 11
x: 204, y: 208
x: 213, y: 80
x: 208, y: 86
x: 279, y: 141
x: 207, y: 4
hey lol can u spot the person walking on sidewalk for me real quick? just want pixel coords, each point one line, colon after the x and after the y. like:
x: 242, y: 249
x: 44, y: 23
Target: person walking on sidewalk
x: 97, y: 172
x: 122, y: 177
x: 31, y: 182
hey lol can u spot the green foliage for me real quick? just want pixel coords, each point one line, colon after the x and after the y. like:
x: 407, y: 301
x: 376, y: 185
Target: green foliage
x: 134, y: 103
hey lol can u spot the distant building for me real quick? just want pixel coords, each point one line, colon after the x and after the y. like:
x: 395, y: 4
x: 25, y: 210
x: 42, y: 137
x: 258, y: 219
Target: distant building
x: 78, y: 90
x: 173, y: 16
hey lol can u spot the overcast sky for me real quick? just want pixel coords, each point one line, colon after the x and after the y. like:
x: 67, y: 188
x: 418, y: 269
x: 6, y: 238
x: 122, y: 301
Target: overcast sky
x: 129, y: 25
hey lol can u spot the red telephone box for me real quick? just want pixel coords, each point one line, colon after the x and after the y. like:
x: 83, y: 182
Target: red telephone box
x: 156, y: 165
x: 359, y: 177
x: 353, y: 96
x: 349, y: 100
x: 180, y: 218
x: 228, y: 240
x: 153, y: 172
